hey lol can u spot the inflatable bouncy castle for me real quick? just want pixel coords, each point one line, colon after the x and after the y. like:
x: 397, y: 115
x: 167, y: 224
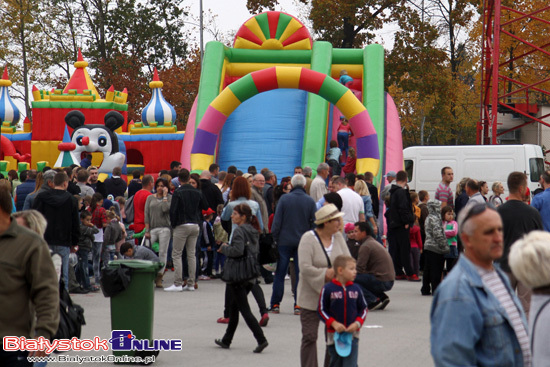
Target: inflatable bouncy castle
x: 274, y: 100
x: 71, y: 122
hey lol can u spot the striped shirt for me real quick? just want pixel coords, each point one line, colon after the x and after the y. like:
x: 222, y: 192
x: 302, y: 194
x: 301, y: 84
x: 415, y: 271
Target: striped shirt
x: 444, y: 194
x: 492, y: 280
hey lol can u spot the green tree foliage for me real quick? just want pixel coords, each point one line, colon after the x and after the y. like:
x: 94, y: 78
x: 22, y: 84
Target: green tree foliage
x: 20, y: 43
x: 431, y: 72
x: 345, y: 24
x: 123, y: 40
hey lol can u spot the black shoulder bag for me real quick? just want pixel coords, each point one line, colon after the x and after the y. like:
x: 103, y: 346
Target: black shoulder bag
x: 323, y: 247
x: 241, y: 269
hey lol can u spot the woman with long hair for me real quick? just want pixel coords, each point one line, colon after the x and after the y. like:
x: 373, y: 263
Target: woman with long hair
x: 39, y: 182
x: 195, y: 181
x: 226, y: 186
x: 350, y: 162
x: 240, y: 194
x: 245, y: 239
x: 14, y: 180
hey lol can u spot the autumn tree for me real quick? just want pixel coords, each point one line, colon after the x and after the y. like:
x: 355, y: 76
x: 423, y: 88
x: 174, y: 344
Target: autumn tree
x: 431, y: 71
x: 345, y: 24
x: 181, y: 86
x: 20, y: 42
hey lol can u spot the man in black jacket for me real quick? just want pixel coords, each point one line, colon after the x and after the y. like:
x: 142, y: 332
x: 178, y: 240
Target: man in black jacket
x: 185, y: 216
x: 373, y: 190
x: 115, y: 185
x: 61, y: 211
x: 94, y: 183
x: 211, y: 192
x: 400, y: 220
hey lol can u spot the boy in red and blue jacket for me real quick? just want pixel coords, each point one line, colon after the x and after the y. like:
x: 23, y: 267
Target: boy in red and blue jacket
x: 343, y: 308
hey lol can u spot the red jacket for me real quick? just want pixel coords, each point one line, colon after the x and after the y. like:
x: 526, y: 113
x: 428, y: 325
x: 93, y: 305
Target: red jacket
x: 415, y: 237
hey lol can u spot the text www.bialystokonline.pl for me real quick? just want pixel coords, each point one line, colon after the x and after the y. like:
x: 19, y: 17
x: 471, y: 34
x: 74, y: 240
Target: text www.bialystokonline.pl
x: 93, y: 359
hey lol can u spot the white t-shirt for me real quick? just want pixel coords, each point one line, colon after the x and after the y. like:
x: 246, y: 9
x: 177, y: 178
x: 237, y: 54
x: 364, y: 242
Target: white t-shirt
x: 352, y: 205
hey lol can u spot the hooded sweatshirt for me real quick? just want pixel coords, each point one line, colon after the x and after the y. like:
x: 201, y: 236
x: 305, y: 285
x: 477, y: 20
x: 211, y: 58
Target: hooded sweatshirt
x: 61, y: 211
x: 115, y: 186
x: 436, y: 241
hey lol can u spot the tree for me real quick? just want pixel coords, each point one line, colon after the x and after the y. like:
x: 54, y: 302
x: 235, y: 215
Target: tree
x: 344, y: 24
x: 19, y: 41
x: 126, y: 71
x: 150, y: 30
x: 181, y: 85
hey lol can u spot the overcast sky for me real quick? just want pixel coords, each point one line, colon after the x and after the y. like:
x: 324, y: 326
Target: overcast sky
x: 231, y: 14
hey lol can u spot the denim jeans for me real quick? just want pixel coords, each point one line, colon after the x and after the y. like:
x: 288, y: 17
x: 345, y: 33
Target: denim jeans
x: 96, y: 260
x: 343, y: 142
x: 349, y: 361
x: 372, y: 287
x: 64, y: 252
x: 82, y: 268
x: 285, y: 253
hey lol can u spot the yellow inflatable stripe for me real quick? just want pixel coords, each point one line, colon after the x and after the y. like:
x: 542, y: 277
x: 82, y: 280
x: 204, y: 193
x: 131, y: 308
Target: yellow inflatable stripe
x: 253, y: 25
x: 292, y: 27
x: 90, y: 83
x: 349, y: 105
x: 201, y: 161
x: 300, y: 45
x: 368, y: 165
x: 355, y: 71
x: 225, y: 66
x: 226, y: 102
x: 241, y: 69
x: 288, y: 77
x: 242, y: 43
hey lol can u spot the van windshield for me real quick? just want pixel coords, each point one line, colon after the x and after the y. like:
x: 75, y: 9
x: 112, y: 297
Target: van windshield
x: 409, y: 169
x: 536, y: 167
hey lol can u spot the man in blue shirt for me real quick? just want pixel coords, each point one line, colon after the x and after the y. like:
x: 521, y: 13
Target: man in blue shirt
x: 476, y: 318
x: 541, y: 201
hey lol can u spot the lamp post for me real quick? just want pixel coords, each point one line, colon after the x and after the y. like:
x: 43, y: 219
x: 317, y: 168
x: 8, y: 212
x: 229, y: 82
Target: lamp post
x: 201, y: 28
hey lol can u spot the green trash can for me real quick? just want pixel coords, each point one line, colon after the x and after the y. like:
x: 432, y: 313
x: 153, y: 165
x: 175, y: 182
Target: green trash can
x: 132, y: 309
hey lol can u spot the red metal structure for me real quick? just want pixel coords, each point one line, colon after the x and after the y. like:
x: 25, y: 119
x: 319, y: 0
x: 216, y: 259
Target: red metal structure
x: 503, y: 89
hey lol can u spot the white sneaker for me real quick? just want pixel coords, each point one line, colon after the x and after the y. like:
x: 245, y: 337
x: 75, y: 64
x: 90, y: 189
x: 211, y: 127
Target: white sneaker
x: 188, y: 288
x: 174, y: 288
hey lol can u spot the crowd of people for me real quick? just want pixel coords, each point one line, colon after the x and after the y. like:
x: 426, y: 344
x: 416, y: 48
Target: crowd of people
x: 341, y: 240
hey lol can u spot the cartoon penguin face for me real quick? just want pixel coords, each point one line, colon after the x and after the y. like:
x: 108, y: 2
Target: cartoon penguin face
x: 92, y: 138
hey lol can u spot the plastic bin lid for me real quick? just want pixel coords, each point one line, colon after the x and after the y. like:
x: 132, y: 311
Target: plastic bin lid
x: 139, y: 265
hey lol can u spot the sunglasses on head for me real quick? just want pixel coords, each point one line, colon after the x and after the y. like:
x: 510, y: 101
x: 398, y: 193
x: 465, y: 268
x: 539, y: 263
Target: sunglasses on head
x: 474, y: 210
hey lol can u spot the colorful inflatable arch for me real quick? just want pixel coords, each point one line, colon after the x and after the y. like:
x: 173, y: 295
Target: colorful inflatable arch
x: 232, y: 122
x: 206, y: 135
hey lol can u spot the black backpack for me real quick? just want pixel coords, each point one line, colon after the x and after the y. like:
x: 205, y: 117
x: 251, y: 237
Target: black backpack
x: 71, y: 316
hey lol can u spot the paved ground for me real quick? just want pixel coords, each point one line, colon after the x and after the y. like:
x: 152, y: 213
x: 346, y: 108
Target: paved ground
x: 396, y: 336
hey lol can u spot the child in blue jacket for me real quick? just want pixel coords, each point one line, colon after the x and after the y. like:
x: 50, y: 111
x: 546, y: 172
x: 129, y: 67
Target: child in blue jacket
x: 343, y: 309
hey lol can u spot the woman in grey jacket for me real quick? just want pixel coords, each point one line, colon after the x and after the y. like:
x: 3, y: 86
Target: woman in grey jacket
x: 247, y: 235
x: 435, y: 247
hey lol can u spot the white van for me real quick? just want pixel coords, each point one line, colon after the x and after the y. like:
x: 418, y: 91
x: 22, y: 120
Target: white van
x: 482, y: 162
